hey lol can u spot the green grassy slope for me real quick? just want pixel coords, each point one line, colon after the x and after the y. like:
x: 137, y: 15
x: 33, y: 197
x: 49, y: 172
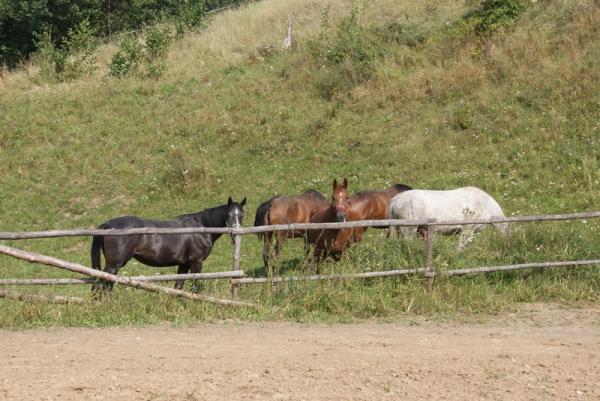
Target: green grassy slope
x: 517, y: 114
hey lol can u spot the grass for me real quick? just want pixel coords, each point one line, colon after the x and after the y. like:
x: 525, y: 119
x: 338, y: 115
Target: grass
x: 517, y: 114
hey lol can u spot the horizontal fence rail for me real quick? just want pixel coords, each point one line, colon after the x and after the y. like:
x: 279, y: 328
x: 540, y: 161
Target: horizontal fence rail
x: 77, y: 268
x: 572, y: 263
x: 289, y: 227
x: 387, y: 273
x: 404, y: 272
x: 237, y: 276
x: 162, y: 277
x: 53, y: 299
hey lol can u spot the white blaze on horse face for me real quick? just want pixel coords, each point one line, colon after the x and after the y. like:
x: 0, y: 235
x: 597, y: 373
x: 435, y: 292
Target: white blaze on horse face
x: 340, y: 203
x: 237, y: 218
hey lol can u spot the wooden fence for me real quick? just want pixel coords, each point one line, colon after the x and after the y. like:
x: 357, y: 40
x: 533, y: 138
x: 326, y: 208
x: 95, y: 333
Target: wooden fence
x: 237, y: 276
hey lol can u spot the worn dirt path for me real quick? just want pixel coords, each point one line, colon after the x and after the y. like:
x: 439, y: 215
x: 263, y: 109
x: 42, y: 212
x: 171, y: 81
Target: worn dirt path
x: 538, y: 353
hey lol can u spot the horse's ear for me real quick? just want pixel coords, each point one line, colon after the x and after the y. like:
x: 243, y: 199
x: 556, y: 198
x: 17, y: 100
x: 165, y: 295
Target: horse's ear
x: 345, y: 183
x: 229, y: 201
x: 334, y: 183
x: 243, y: 202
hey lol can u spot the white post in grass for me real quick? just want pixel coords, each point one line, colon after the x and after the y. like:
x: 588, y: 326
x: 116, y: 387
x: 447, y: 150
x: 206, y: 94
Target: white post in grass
x: 430, y: 271
x: 237, y: 245
x: 287, y: 42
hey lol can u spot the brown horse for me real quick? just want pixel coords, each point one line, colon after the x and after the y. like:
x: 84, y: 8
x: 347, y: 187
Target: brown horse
x: 286, y: 210
x: 327, y: 242
x: 370, y: 205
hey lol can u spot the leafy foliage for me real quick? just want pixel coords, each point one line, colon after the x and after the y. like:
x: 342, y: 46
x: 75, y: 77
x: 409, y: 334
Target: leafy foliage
x: 150, y: 52
x: 126, y: 60
x: 73, y: 59
x: 493, y: 14
x: 22, y: 23
x: 345, y: 54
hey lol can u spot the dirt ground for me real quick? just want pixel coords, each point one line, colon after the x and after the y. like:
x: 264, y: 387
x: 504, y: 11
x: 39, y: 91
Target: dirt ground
x: 537, y: 353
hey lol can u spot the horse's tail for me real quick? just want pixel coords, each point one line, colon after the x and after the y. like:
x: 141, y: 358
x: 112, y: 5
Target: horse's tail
x: 97, y: 243
x: 402, y: 187
x: 262, y: 213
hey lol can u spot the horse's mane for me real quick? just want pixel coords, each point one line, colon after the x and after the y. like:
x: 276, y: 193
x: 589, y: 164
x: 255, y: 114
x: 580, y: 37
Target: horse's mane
x: 314, y: 193
x: 204, y: 217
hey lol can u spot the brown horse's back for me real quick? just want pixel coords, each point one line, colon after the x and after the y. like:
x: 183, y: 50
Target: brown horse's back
x: 370, y: 205
x: 373, y: 205
x: 292, y: 210
x: 285, y: 210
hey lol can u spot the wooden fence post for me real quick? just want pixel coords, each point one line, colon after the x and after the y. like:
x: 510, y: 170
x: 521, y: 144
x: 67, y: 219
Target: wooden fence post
x: 430, y: 271
x: 237, y: 245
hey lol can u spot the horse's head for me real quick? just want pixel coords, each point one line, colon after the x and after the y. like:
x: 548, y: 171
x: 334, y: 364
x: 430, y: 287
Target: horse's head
x: 235, y: 213
x: 339, y: 199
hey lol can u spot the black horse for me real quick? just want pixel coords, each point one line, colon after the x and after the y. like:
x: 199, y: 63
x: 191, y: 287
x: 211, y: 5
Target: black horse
x: 187, y: 251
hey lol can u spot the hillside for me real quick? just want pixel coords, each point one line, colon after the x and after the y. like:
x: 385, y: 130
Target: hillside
x: 519, y: 118
x: 413, y: 95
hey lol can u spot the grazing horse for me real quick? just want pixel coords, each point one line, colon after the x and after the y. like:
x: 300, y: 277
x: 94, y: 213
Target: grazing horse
x: 370, y: 205
x: 328, y: 242
x: 468, y: 203
x: 187, y: 251
x: 285, y: 210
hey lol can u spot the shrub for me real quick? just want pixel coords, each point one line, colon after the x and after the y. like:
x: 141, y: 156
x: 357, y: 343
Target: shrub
x: 127, y: 58
x: 149, y: 53
x: 396, y: 33
x: 79, y: 47
x: 346, y: 55
x: 72, y: 60
x: 493, y: 14
x: 191, y: 16
x: 48, y: 58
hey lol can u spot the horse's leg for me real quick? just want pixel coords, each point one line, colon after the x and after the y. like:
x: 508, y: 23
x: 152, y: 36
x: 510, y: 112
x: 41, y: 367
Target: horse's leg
x: 267, y: 252
x: 196, y: 267
x: 318, y: 254
x: 392, y: 232
x: 117, y: 252
x: 358, y: 234
x: 306, y: 247
x: 182, y: 269
x: 279, y: 236
x: 100, y: 285
x: 407, y: 232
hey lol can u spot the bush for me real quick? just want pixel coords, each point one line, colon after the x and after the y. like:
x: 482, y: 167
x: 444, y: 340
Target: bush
x: 127, y: 58
x: 72, y: 60
x: 79, y: 47
x: 48, y: 58
x: 346, y: 55
x: 493, y: 14
x: 151, y: 54
x: 191, y: 16
x: 396, y: 33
